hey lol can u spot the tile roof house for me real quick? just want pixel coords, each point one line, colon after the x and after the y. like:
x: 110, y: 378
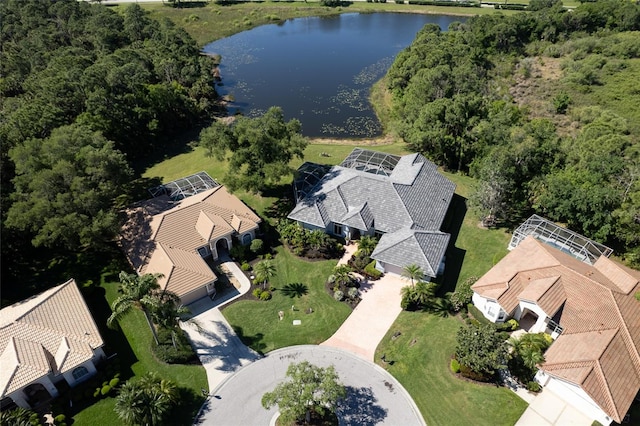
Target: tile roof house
x: 590, y: 310
x: 173, y: 238
x: 402, y: 200
x: 45, y: 340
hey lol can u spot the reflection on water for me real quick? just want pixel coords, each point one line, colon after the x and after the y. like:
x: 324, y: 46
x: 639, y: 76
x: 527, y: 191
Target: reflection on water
x: 319, y: 70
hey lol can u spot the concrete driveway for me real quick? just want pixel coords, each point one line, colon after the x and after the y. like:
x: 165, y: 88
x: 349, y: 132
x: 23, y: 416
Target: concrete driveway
x: 374, y: 397
x: 371, y: 319
x: 548, y: 409
x: 220, y: 350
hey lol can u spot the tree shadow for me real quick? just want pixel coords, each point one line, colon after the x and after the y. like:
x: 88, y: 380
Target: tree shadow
x: 455, y: 256
x: 359, y: 408
x: 189, y: 403
x: 215, y: 343
x: 294, y: 290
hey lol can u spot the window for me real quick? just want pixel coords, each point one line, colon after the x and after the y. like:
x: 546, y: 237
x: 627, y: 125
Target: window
x: 204, y: 251
x: 246, y: 239
x: 80, y: 372
x: 337, y: 229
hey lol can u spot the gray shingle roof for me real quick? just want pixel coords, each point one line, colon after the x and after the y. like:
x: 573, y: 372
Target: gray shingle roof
x: 410, y: 246
x: 414, y: 196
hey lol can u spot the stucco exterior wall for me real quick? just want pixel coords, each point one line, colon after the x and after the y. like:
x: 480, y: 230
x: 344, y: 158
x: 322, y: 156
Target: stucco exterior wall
x: 89, y: 365
x: 489, y: 308
x: 194, y: 295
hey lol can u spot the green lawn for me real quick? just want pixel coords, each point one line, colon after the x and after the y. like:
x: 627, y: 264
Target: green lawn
x: 257, y: 322
x: 423, y: 366
x: 423, y: 369
x: 136, y: 358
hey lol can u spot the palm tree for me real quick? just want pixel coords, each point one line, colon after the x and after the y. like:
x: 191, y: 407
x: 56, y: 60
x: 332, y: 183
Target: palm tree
x: 424, y: 292
x: 265, y: 270
x: 146, y: 401
x: 342, y: 274
x: 413, y: 272
x: 366, y: 245
x: 137, y: 291
x: 408, y: 297
x: 166, y: 310
x: 531, y: 357
x: 141, y: 292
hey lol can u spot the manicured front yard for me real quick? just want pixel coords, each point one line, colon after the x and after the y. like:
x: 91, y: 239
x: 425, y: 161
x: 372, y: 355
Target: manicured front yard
x: 421, y: 356
x: 257, y: 322
x: 136, y: 358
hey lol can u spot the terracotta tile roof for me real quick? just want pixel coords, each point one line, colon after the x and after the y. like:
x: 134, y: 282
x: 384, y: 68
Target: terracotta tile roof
x: 162, y: 236
x: 598, y: 349
x: 50, y: 332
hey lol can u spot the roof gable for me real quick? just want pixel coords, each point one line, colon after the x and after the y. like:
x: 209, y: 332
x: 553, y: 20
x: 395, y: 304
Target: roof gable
x: 406, y: 247
x: 598, y: 349
x: 52, y: 331
x: 165, y: 238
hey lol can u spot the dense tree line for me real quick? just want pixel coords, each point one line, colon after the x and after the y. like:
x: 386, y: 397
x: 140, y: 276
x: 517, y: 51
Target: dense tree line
x: 451, y: 102
x: 85, y: 92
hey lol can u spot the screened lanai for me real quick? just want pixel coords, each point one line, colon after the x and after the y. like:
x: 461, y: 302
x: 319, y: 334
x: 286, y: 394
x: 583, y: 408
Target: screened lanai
x: 378, y: 163
x: 561, y: 238
x: 306, y: 177
x: 185, y: 187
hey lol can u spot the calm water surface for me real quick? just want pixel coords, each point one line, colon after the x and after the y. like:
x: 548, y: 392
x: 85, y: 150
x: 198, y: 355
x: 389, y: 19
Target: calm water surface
x: 319, y: 70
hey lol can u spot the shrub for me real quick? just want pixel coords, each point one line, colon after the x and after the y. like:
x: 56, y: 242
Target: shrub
x: 533, y: 386
x: 265, y: 295
x: 114, y: 382
x: 60, y: 418
x: 352, y: 292
x: 239, y: 252
x: 561, y: 103
x: 477, y: 315
x: 105, y: 390
x: 331, y: 279
x: 174, y: 355
x: 181, y: 353
x: 257, y: 245
x: 513, y: 324
x: 245, y: 266
x: 371, y: 272
x: 462, y: 296
x: 338, y: 295
x: 455, y: 366
x: 470, y: 374
x: 257, y: 292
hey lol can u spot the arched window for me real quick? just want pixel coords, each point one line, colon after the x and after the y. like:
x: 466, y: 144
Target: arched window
x: 246, y: 239
x: 80, y: 372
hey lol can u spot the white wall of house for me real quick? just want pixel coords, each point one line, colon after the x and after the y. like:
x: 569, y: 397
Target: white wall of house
x: 489, y: 308
x: 91, y: 370
x: 541, y: 323
x: 573, y: 395
x: 20, y: 397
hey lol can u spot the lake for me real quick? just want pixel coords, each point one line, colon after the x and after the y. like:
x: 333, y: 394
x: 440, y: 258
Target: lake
x: 319, y: 70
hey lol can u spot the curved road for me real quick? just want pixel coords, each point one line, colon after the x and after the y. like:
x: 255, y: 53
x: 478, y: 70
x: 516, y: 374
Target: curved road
x: 374, y: 397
